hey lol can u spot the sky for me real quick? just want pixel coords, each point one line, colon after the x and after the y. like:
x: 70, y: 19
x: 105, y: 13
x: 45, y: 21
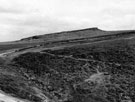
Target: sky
x: 24, y: 18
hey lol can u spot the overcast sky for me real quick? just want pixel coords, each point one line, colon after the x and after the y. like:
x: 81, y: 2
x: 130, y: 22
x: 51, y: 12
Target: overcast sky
x: 23, y: 18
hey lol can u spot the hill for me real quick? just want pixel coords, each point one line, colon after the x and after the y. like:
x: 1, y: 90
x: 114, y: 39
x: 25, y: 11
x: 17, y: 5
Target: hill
x: 66, y: 38
x: 89, y: 65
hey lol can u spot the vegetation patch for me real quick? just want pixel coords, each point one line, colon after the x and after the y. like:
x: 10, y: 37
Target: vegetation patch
x: 87, y: 74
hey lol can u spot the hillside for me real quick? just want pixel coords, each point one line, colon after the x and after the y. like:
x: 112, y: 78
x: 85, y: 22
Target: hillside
x: 67, y: 35
x: 89, y: 65
x: 75, y: 34
x: 65, y: 38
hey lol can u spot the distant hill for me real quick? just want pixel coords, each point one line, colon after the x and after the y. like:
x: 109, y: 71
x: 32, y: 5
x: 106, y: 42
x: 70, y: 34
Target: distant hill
x: 75, y: 34
x: 89, y: 32
x: 65, y: 39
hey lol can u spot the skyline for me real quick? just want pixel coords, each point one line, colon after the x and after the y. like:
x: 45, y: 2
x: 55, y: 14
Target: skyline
x: 21, y: 19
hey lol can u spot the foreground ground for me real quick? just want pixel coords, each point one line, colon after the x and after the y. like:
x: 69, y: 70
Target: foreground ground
x: 94, y: 69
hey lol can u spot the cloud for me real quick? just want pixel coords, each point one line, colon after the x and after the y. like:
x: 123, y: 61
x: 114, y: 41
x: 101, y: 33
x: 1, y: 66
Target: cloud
x: 7, y: 7
x: 12, y: 11
x: 31, y: 25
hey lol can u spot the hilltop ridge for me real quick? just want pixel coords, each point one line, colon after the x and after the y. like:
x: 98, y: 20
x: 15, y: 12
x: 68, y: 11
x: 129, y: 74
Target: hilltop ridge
x: 62, y: 32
